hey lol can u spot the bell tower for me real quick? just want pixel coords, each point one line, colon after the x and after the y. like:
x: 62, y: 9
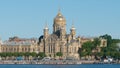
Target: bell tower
x: 46, y: 32
x: 73, y: 32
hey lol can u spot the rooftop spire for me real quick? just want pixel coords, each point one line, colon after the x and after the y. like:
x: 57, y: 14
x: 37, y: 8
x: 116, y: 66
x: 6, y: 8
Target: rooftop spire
x: 73, y: 25
x: 59, y: 10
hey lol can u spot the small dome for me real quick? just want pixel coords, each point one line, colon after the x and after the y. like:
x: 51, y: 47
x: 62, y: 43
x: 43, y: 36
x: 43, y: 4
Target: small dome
x: 73, y: 28
x: 46, y: 27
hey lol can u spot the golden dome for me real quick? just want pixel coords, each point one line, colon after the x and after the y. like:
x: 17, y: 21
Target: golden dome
x: 59, y: 18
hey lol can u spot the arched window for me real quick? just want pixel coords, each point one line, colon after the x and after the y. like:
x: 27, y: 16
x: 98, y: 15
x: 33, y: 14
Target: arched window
x: 17, y: 49
x: 33, y: 49
x: 6, y: 50
x: 29, y: 49
x: 10, y: 49
x: 14, y: 49
x: 23, y: 49
x: 3, y: 49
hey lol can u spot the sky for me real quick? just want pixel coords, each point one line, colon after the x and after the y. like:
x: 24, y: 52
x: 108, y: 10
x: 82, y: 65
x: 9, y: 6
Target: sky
x: 27, y: 18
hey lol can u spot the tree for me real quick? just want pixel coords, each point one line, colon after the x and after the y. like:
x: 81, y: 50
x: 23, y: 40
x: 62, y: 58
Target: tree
x: 96, y: 42
x: 9, y: 54
x: 112, y: 48
x: 60, y: 54
x: 33, y: 54
x: 100, y: 54
x: 82, y: 54
x: 41, y: 54
x: 88, y: 47
x: 3, y: 55
x: 20, y: 54
x: 27, y: 54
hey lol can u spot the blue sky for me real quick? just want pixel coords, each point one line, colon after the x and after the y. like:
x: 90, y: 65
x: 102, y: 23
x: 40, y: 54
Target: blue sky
x: 27, y: 18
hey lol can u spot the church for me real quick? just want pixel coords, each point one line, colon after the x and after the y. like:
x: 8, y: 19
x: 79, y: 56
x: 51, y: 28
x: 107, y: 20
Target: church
x: 51, y: 44
x: 59, y: 40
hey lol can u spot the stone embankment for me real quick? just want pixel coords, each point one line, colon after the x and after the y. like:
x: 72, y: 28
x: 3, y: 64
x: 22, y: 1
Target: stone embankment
x: 49, y: 62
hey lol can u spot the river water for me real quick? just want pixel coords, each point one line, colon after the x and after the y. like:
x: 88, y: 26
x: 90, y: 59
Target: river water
x: 63, y: 66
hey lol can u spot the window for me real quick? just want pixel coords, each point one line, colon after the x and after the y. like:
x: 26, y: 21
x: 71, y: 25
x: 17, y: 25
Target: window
x: 22, y: 49
x: 14, y: 49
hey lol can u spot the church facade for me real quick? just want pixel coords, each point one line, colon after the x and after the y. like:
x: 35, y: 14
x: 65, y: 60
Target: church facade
x: 59, y: 40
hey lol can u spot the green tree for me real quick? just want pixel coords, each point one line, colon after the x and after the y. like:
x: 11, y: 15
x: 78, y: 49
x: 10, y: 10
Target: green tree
x: 99, y: 54
x: 20, y: 54
x: 88, y: 45
x: 15, y: 54
x: 9, y: 54
x: 33, y: 54
x: 96, y: 42
x: 112, y: 48
x: 60, y: 54
x: 27, y: 54
x: 82, y: 54
x: 41, y: 54
x: 3, y: 55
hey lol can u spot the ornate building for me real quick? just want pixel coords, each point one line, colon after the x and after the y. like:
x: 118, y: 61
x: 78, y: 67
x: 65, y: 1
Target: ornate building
x: 16, y: 44
x: 50, y: 44
x: 59, y: 40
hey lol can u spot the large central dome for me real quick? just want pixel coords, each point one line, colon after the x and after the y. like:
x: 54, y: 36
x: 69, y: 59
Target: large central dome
x: 59, y: 19
x: 59, y: 23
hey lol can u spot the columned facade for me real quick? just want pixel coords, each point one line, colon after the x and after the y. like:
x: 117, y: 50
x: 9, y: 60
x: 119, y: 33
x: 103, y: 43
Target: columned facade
x: 59, y: 40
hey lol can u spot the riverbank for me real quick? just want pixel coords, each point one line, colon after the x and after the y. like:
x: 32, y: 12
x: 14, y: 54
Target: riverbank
x: 47, y: 62
x: 51, y: 62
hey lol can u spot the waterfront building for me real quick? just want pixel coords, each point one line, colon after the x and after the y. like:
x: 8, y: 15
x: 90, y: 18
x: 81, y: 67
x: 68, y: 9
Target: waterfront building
x: 15, y: 44
x: 59, y: 40
x: 50, y: 44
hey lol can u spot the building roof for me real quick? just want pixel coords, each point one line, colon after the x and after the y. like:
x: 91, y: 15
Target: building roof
x: 20, y: 41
